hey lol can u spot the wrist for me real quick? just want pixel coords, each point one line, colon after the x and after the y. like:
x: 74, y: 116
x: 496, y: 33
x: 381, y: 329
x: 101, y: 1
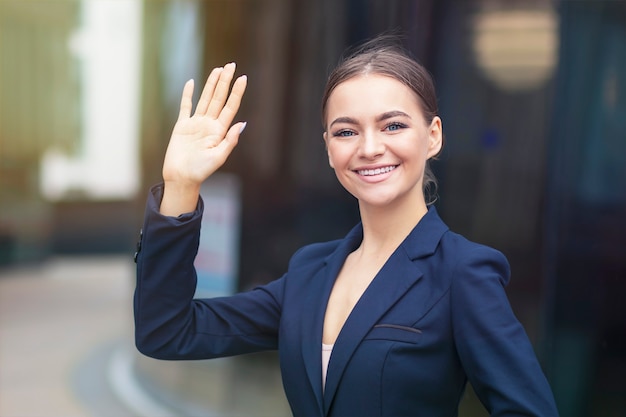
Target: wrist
x: 179, y: 198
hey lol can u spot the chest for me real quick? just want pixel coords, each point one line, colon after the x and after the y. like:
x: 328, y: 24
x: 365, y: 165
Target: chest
x: 354, y: 278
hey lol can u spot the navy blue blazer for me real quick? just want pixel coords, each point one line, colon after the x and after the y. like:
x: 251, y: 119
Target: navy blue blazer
x: 434, y: 316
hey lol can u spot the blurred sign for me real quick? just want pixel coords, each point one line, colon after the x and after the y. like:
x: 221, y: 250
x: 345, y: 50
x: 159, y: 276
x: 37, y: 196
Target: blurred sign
x: 218, y: 254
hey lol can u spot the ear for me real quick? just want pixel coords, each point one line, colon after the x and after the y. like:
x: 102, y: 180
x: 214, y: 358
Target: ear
x: 435, y: 137
x: 330, y: 161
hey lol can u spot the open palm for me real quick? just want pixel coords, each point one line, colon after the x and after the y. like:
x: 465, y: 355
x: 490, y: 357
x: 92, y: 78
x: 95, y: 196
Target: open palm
x: 201, y: 143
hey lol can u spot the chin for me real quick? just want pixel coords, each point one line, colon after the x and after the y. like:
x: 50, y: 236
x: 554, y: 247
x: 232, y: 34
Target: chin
x: 377, y: 201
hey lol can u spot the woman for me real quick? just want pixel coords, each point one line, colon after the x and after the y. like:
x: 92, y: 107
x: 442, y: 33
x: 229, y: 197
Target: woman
x: 393, y: 319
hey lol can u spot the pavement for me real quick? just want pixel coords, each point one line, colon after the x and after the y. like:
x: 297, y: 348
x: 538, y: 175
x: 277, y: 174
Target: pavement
x: 66, y: 346
x: 67, y: 350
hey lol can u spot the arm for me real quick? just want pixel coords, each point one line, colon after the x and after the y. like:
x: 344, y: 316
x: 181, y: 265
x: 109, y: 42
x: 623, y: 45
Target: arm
x: 169, y: 323
x: 492, y: 345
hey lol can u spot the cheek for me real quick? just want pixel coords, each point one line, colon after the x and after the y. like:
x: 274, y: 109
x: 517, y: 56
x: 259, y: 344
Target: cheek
x: 334, y: 155
x: 340, y: 155
x: 330, y: 161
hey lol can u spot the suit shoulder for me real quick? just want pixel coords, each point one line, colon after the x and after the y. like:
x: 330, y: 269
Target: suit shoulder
x: 465, y: 250
x: 313, y: 253
x: 462, y: 245
x: 464, y: 254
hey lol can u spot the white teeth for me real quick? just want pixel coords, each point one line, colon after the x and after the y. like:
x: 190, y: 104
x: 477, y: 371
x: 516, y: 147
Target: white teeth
x: 377, y: 171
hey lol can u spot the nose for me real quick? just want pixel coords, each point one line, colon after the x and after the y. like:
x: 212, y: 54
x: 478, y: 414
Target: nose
x: 371, y: 146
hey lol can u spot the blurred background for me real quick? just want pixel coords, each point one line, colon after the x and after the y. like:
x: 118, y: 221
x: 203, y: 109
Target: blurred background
x: 533, y: 101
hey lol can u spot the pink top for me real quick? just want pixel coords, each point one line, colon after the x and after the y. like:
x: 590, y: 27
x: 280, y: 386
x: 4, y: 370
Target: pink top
x: 326, y: 351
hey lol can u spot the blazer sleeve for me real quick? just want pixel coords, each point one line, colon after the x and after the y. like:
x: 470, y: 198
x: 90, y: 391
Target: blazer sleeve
x: 169, y: 322
x: 494, y: 349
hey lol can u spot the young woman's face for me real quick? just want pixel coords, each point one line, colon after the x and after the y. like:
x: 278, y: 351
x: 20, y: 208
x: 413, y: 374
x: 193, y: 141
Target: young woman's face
x: 378, y: 140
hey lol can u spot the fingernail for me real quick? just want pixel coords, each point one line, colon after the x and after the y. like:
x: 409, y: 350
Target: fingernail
x: 243, y: 127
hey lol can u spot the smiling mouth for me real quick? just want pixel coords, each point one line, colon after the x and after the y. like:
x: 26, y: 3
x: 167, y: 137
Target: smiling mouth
x: 377, y: 171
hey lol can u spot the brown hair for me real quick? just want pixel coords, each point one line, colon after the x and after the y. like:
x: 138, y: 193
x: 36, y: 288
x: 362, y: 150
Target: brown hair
x: 384, y: 55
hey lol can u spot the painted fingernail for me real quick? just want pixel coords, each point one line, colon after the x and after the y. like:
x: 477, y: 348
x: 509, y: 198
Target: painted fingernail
x: 243, y: 127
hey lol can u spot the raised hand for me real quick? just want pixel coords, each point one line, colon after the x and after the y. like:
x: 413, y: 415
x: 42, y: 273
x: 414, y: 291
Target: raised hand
x: 201, y: 143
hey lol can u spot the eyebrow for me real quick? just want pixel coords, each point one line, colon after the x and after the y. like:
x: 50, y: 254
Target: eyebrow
x: 380, y: 118
x: 348, y: 120
x: 390, y: 114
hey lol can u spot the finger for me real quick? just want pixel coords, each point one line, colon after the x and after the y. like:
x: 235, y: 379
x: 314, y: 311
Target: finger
x: 221, y: 91
x: 185, y: 101
x: 234, y: 101
x: 208, y: 90
x: 231, y: 139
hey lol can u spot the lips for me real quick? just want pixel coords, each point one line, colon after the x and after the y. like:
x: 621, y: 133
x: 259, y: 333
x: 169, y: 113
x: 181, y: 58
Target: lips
x: 376, y: 171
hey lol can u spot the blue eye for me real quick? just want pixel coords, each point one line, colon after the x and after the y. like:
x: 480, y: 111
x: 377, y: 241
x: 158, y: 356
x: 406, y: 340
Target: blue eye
x: 343, y: 133
x: 394, y: 126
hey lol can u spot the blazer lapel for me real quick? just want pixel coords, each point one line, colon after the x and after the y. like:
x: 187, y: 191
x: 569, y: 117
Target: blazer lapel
x: 312, y: 326
x: 375, y: 301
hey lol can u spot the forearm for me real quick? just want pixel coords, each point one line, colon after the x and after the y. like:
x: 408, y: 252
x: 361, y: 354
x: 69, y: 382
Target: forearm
x: 166, y: 278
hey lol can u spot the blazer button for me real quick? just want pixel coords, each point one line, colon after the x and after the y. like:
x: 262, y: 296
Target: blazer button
x: 138, y: 245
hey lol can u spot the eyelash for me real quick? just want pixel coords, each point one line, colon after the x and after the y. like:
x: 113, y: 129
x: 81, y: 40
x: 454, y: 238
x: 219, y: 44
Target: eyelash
x: 397, y: 125
x: 343, y: 133
x: 347, y: 132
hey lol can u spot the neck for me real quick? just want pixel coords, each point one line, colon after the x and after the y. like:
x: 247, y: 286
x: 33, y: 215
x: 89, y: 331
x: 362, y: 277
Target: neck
x: 384, y: 228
